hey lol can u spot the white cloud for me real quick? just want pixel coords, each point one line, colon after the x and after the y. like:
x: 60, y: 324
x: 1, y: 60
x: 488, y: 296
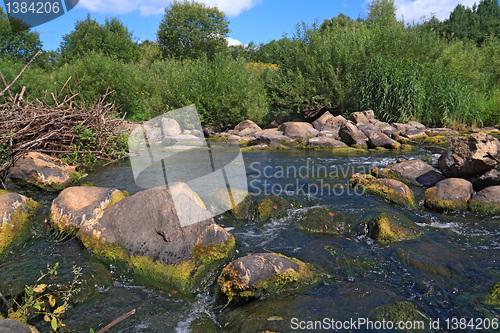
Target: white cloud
x: 151, y: 7
x: 233, y: 42
x: 414, y: 10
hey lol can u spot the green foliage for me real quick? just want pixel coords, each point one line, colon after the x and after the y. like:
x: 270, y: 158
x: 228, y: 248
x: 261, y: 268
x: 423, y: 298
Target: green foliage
x: 381, y: 13
x: 112, y: 39
x: 17, y: 41
x: 39, y: 299
x: 225, y: 91
x: 191, y: 29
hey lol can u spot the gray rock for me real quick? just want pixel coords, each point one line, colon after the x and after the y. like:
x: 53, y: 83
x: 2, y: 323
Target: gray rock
x: 416, y: 172
x: 170, y: 127
x: 298, y: 130
x: 246, y: 127
x: 414, y: 133
x: 416, y: 125
x: 352, y: 136
x: 369, y: 114
x: 379, y: 139
x: 325, y: 142
x: 359, y: 118
x: 271, y: 136
x: 486, y: 201
x: 368, y: 128
x: 490, y: 178
x: 440, y: 131
x: 321, y: 121
x: 401, y: 127
x: 449, y: 195
x: 470, y: 156
x: 41, y: 170
x: 334, y: 124
x: 13, y: 326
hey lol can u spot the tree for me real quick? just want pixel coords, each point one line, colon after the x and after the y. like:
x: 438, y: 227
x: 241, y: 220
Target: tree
x: 16, y: 39
x: 112, y: 39
x: 192, y: 29
x: 381, y: 12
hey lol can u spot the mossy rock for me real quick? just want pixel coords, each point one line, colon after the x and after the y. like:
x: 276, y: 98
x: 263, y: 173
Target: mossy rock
x: 423, y: 263
x: 448, y: 195
x: 403, y: 311
x: 392, y: 227
x: 321, y: 220
x: 493, y: 297
x: 185, y: 277
x: 486, y: 201
x: 390, y: 189
x: 203, y: 324
x: 15, y: 224
x: 258, y: 275
x: 269, y: 207
x: 242, y: 210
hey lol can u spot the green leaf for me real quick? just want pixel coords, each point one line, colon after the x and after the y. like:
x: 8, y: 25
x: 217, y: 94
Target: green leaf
x: 91, y: 331
x: 54, y: 324
x: 60, y: 309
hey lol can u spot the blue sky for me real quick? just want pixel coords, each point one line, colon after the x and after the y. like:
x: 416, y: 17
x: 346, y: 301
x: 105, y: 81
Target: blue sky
x: 250, y: 20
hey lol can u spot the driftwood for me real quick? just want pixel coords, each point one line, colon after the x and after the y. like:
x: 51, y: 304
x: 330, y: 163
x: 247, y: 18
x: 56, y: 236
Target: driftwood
x: 117, y: 321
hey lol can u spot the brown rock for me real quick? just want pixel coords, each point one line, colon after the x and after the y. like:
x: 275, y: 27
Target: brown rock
x: 298, y: 130
x: 325, y: 142
x: 359, y: 118
x: 379, y: 139
x: 321, y: 121
x: 416, y: 172
x: 470, y: 156
x: 41, y: 170
x: 449, y: 195
x: 352, y: 136
x: 246, y: 127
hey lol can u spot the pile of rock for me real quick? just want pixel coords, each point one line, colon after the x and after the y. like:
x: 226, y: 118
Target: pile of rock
x: 362, y: 130
x: 469, y: 176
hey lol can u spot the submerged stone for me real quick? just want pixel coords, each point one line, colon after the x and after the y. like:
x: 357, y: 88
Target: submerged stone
x: 16, y: 211
x: 392, y: 227
x: 269, y: 207
x: 321, y: 220
x: 257, y: 275
x: 493, y: 297
x: 390, y: 189
x: 403, y: 311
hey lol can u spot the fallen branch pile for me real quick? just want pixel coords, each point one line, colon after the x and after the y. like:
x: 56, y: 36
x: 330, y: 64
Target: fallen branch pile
x: 57, y: 127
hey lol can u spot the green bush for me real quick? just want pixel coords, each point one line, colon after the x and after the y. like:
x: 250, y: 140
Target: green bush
x: 225, y: 91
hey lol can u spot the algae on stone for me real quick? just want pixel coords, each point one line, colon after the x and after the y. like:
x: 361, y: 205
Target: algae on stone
x: 385, y: 228
x: 493, y: 297
x: 321, y: 220
x: 404, y: 312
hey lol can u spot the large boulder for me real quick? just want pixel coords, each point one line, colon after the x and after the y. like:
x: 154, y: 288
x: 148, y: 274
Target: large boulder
x: 298, y: 130
x: 170, y: 127
x: 352, y: 136
x: 359, y: 118
x: 389, y: 130
x: 321, y: 121
x: 390, y: 189
x: 257, y: 275
x: 79, y: 207
x: 486, y: 201
x: 333, y: 124
x: 158, y: 247
x: 271, y: 136
x: 368, y: 128
x: 379, y: 139
x: 16, y: 211
x: 246, y: 127
x: 449, y: 195
x: 417, y: 125
x: 415, y: 172
x: 470, y: 156
x: 43, y: 171
x: 325, y: 142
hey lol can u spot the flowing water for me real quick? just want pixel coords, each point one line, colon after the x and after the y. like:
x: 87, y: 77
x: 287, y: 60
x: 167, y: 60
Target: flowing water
x: 446, y: 272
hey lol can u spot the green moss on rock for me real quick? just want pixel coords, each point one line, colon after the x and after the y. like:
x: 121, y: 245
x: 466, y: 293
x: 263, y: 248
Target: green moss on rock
x: 18, y: 225
x: 400, y: 312
x: 269, y: 207
x: 390, y: 189
x: 493, y: 297
x: 321, y: 220
x: 386, y: 228
x: 484, y: 208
